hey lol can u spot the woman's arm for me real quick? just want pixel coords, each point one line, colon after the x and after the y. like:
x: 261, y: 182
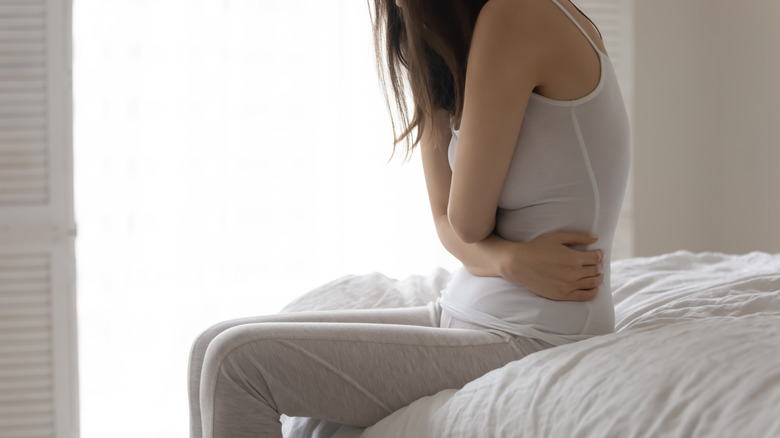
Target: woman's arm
x: 545, y: 265
x: 505, y: 64
x: 478, y: 257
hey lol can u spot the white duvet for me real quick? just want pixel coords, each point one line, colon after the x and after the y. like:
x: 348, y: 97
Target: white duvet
x: 696, y: 353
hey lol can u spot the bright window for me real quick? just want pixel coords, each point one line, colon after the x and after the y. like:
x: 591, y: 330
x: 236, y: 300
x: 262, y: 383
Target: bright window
x: 230, y: 155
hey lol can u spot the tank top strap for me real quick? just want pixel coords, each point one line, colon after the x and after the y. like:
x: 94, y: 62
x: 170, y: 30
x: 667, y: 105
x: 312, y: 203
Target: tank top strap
x: 576, y: 23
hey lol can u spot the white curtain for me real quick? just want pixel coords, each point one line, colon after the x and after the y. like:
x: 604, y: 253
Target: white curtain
x: 229, y: 156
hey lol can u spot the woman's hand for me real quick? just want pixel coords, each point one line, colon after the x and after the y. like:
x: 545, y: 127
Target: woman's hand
x: 548, y: 267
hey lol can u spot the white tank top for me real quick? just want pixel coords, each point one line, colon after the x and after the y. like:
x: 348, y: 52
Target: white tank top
x: 568, y: 172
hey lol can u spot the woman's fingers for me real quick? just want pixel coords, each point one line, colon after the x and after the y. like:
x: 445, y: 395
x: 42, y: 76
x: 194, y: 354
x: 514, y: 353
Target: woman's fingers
x: 583, y: 295
x: 590, y: 282
x: 560, y: 271
x: 587, y: 289
x: 593, y: 257
x: 590, y: 271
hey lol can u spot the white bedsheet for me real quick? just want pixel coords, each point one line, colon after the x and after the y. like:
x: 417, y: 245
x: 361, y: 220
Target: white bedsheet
x: 696, y: 354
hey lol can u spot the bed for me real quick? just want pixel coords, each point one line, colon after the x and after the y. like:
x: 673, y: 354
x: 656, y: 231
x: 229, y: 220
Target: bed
x: 696, y: 353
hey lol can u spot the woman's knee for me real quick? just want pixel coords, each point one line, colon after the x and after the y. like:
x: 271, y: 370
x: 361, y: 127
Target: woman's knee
x: 227, y: 342
x: 202, y: 342
x: 241, y: 354
x: 207, y: 336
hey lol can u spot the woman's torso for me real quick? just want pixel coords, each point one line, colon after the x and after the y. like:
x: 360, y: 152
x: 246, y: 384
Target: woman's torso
x: 568, y: 172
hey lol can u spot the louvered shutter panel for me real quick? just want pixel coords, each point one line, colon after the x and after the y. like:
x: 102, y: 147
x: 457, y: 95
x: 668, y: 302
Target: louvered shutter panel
x: 38, y: 374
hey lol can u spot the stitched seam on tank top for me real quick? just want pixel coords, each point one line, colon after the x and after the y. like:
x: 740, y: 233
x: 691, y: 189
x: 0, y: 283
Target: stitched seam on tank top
x: 586, y: 159
x: 596, y: 196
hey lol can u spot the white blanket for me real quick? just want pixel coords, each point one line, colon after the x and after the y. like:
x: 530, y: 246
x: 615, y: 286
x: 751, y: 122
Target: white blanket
x: 696, y: 354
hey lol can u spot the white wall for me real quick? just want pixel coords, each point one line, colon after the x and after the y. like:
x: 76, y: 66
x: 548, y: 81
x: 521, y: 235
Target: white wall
x: 706, y: 126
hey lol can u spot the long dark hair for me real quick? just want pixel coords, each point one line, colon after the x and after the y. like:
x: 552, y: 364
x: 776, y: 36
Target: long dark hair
x: 423, y: 48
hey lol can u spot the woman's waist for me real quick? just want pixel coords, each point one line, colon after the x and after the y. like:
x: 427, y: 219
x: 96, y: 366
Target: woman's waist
x: 514, y: 304
x: 494, y: 295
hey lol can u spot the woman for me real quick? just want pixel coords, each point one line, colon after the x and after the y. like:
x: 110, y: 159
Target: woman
x: 523, y: 134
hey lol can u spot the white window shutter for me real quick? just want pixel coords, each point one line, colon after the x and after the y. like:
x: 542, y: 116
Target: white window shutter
x: 38, y: 355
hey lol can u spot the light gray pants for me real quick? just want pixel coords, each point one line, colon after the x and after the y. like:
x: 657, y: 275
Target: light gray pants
x: 351, y: 366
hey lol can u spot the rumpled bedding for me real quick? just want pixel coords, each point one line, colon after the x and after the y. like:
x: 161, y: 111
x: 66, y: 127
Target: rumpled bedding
x: 696, y: 353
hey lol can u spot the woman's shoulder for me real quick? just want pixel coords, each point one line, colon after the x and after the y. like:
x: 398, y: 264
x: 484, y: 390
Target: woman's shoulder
x: 515, y: 22
x: 530, y: 13
x: 517, y: 31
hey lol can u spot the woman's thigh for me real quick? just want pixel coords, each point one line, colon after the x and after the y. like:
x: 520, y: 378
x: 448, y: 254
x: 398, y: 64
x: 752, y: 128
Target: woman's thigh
x: 354, y: 373
x: 419, y: 316
x: 427, y: 316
